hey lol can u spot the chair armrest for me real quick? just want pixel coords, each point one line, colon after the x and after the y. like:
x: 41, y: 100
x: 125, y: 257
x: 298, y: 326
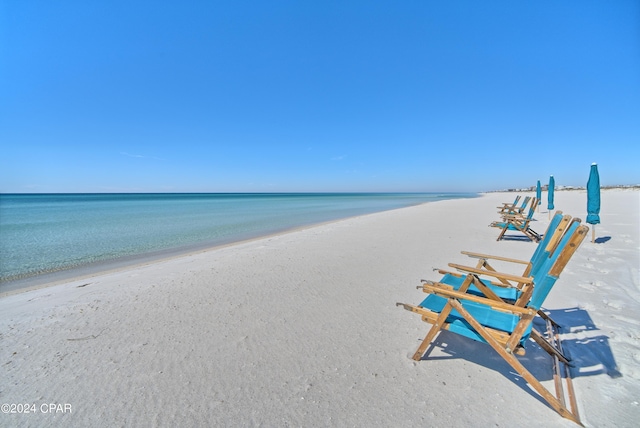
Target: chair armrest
x: 513, y: 214
x: 499, y: 258
x: 443, y: 291
x: 444, y: 272
x: 499, y: 275
x: 515, y: 217
x: 497, y: 284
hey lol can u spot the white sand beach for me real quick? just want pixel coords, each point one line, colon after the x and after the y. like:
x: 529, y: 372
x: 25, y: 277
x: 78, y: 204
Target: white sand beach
x: 301, y: 329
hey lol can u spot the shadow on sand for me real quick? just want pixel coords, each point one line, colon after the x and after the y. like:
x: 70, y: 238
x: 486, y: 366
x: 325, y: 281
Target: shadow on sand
x: 522, y: 238
x: 602, y: 240
x: 590, y: 356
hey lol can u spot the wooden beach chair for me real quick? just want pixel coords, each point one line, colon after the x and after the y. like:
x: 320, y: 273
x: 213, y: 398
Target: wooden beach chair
x: 518, y: 222
x: 505, y: 289
x: 507, y: 326
x: 520, y: 210
x: 506, y: 205
x: 514, y: 208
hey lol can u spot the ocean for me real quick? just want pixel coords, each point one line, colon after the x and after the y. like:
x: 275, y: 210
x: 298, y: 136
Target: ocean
x: 45, y: 233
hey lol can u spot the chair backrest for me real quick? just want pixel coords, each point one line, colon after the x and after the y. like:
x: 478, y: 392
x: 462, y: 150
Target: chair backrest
x: 550, y: 240
x: 525, y: 201
x: 511, y: 207
x: 518, y: 222
x: 532, y: 208
x: 550, y: 269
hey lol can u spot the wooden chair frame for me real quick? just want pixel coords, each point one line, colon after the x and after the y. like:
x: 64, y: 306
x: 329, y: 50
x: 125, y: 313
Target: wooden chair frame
x: 508, y: 344
x: 513, y: 208
x: 518, y: 222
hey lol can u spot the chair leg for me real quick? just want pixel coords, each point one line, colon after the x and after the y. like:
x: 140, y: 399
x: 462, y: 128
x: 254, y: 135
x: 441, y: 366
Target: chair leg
x: 554, y: 402
x: 502, y: 232
x: 532, y: 234
x: 440, y: 321
x: 551, y: 350
x: 553, y: 330
x: 433, y: 331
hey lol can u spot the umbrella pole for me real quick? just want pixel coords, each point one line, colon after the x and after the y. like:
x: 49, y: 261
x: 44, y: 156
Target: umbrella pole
x: 593, y: 234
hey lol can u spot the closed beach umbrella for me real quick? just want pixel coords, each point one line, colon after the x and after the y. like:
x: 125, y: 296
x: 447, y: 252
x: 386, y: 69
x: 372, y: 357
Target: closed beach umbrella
x: 550, y: 190
x: 538, y: 193
x: 593, y: 200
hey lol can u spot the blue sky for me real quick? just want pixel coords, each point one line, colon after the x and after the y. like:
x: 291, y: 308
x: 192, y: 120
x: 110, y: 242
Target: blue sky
x: 153, y: 96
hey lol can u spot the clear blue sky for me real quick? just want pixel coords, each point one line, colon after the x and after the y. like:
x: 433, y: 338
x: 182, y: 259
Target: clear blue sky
x: 175, y: 96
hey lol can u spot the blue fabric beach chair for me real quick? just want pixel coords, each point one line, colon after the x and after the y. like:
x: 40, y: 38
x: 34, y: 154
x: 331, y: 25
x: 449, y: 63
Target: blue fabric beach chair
x: 518, y: 222
x: 506, y: 326
x: 501, y: 287
x: 513, y: 208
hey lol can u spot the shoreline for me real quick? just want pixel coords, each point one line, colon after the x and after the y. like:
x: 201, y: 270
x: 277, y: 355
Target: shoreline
x: 89, y: 270
x: 65, y: 271
x: 301, y: 328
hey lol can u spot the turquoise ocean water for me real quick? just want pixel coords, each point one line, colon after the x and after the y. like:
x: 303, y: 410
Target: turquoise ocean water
x: 44, y: 233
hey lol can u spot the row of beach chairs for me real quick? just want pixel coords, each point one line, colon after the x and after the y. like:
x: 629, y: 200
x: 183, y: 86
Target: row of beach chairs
x: 497, y: 308
x: 514, y: 218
